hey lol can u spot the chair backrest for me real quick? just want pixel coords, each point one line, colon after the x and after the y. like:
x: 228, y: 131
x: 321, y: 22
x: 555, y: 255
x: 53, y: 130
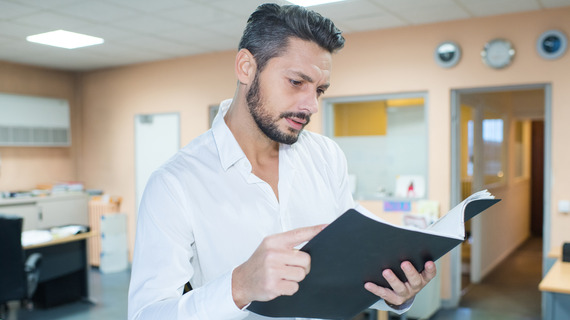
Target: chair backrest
x: 13, y: 285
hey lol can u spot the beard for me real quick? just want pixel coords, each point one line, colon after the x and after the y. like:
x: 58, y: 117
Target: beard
x: 264, y: 120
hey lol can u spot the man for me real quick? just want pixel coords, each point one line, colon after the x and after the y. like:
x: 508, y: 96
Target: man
x: 228, y: 210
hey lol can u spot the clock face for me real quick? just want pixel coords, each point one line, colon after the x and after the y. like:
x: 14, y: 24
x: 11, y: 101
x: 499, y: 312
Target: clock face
x: 447, y: 54
x: 551, y: 44
x: 498, y: 53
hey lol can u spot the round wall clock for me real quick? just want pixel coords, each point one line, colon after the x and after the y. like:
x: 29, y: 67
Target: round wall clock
x: 447, y: 54
x: 552, y: 44
x: 498, y: 53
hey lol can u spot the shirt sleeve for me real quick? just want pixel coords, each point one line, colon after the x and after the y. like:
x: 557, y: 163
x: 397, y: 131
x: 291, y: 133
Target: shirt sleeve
x: 344, y: 195
x: 162, y: 262
x: 382, y: 305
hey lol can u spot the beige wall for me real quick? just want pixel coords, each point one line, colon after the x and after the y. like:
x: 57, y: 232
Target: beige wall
x: 25, y: 167
x: 385, y: 61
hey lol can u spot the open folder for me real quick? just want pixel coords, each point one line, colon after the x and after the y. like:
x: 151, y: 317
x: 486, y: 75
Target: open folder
x: 355, y: 248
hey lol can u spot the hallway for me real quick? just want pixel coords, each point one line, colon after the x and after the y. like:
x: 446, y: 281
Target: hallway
x: 509, y: 292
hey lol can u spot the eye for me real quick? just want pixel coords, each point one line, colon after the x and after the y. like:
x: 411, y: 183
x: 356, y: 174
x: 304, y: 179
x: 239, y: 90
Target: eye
x: 295, y: 83
x: 320, y: 92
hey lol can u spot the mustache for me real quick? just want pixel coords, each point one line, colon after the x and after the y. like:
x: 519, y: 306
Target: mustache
x: 300, y: 115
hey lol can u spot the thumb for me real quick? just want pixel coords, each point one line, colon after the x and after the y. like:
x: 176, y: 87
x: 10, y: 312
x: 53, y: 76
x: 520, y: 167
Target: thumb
x: 294, y: 237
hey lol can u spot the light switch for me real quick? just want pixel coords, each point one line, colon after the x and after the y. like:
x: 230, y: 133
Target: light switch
x: 564, y: 206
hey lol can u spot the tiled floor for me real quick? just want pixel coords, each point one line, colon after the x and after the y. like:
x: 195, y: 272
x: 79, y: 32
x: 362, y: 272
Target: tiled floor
x: 109, y: 302
x: 510, y: 292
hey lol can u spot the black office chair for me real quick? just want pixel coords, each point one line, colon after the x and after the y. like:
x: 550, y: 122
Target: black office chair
x: 18, y: 276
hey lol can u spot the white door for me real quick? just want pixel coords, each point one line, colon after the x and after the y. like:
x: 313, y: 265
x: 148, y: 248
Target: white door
x: 157, y: 138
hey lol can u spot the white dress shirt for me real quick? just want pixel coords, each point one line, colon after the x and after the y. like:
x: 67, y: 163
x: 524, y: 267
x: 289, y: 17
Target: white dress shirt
x: 204, y: 212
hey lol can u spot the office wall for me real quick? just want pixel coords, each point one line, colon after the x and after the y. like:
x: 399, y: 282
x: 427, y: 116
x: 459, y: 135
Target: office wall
x: 23, y: 168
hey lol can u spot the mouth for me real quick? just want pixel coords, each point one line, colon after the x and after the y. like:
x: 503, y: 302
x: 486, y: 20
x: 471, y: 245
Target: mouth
x: 297, y: 123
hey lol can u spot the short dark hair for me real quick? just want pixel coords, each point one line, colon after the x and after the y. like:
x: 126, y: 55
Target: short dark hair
x: 270, y: 26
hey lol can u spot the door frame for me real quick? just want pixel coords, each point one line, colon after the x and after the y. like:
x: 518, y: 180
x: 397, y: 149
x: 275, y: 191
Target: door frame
x: 455, y: 183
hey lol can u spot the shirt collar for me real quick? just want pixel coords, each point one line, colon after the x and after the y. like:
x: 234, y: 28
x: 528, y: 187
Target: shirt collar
x: 228, y: 148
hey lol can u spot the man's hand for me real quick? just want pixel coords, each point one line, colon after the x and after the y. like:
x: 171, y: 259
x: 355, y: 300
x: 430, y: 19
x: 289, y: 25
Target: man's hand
x: 403, y: 292
x: 275, y: 268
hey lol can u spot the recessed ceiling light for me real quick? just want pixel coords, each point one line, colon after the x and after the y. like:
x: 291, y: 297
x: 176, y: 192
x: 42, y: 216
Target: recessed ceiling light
x: 65, y: 39
x: 308, y: 3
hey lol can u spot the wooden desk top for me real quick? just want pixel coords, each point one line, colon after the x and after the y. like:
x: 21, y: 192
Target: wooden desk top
x: 555, y: 252
x: 557, y: 279
x: 61, y: 240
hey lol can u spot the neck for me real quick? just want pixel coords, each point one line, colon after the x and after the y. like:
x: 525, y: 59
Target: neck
x: 262, y: 152
x: 257, y: 147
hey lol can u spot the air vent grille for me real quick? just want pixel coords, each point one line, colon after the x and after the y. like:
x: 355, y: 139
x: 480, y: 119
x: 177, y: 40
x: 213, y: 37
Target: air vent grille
x: 29, y: 136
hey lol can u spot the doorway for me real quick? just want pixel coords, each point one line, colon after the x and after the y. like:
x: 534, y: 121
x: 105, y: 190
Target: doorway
x: 497, y: 144
x: 157, y: 138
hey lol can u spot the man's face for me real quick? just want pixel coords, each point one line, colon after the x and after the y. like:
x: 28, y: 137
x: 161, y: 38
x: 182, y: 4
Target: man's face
x: 285, y: 94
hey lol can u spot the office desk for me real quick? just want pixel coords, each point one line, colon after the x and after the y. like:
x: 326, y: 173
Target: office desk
x: 555, y: 252
x: 64, y: 271
x: 556, y: 284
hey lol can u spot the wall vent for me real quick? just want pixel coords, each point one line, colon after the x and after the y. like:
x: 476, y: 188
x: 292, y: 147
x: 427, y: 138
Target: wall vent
x: 34, y: 121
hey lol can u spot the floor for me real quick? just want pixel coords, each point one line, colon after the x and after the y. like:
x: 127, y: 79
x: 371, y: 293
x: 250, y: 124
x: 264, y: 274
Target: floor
x: 108, y: 302
x: 510, y: 292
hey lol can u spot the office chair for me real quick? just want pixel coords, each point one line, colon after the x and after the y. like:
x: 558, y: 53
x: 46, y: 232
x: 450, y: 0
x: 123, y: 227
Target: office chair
x: 18, y: 276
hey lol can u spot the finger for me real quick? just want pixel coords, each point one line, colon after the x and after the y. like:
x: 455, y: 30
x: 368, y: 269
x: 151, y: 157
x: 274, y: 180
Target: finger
x: 388, y: 295
x: 292, y: 238
x: 415, y: 279
x: 397, y: 285
x: 430, y: 271
x: 299, y: 259
x: 296, y: 274
x: 377, y: 290
x: 288, y: 288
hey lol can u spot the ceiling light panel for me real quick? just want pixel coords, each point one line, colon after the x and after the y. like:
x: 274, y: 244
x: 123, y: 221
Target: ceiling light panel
x: 65, y: 39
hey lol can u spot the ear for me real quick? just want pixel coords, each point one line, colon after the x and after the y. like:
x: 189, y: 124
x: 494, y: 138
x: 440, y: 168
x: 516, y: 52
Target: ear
x: 245, y: 66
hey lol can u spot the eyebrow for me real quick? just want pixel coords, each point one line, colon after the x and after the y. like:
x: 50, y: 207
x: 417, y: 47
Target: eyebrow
x: 310, y: 80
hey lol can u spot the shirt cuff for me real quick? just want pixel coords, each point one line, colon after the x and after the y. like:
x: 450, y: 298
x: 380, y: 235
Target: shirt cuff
x: 212, y: 301
x: 382, y: 305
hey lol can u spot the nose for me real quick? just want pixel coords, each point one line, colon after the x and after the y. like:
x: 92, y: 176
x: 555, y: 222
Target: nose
x: 311, y: 103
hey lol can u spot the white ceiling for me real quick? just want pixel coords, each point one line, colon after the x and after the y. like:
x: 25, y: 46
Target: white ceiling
x: 147, y: 30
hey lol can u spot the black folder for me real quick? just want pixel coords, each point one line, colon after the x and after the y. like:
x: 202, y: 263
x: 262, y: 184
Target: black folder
x: 353, y: 250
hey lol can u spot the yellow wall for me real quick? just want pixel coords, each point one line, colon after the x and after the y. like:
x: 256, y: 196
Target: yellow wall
x: 375, y: 62
x: 360, y: 119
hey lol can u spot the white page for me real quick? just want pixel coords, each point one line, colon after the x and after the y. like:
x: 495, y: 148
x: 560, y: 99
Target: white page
x: 440, y: 232
x: 453, y: 222
x: 450, y: 225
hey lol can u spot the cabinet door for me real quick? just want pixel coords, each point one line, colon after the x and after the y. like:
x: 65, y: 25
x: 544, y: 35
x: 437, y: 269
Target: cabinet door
x: 58, y: 212
x: 29, y: 211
